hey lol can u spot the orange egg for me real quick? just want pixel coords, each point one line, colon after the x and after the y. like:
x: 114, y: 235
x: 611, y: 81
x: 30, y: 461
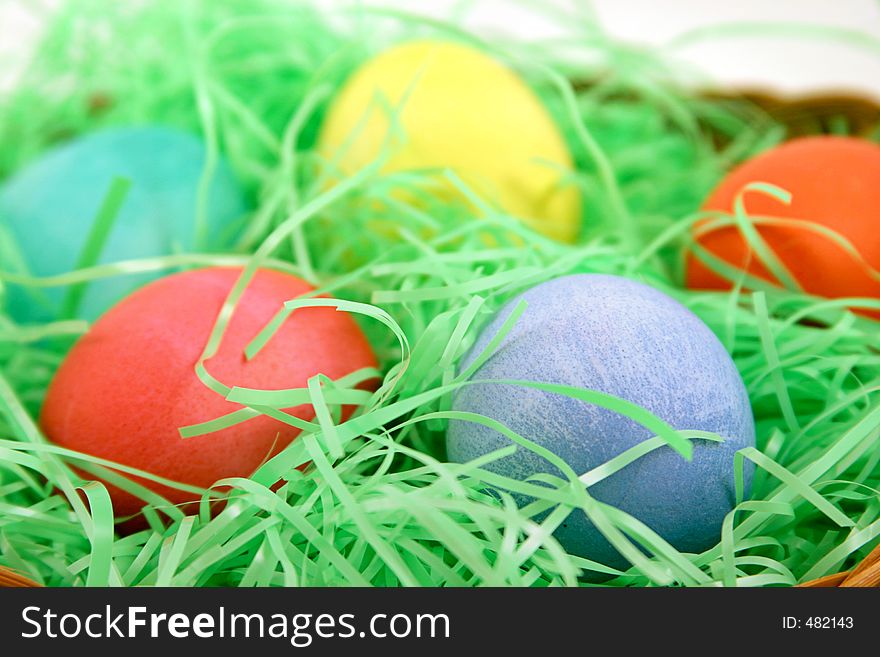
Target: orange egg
x: 835, y: 182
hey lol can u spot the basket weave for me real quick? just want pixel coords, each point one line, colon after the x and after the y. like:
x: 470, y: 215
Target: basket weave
x: 865, y: 575
x: 815, y: 113
x: 10, y: 579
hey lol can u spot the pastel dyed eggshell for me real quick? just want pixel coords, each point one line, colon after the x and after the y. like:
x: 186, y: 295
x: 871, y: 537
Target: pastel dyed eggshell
x: 129, y: 383
x: 460, y: 109
x: 626, y: 339
x: 834, y: 182
x: 49, y: 208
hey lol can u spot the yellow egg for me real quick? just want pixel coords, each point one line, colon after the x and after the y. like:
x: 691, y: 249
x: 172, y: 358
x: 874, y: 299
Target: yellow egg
x: 462, y: 110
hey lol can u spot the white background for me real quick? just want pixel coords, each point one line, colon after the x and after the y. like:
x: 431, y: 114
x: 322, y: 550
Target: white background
x: 783, y: 65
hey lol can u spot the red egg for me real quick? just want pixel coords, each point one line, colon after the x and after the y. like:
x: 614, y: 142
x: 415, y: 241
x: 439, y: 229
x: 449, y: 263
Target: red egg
x: 129, y: 383
x: 834, y: 182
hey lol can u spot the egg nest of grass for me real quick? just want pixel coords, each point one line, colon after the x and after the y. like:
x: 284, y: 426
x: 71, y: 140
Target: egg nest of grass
x: 377, y: 503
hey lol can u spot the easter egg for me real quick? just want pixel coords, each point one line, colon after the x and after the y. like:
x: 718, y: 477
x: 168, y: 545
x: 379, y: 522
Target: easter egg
x: 459, y: 109
x: 834, y: 182
x: 622, y: 338
x: 129, y: 384
x: 49, y: 207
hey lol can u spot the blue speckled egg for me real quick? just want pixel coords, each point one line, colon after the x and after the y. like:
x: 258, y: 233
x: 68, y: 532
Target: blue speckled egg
x: 626, y: 339
x: 48, y: 209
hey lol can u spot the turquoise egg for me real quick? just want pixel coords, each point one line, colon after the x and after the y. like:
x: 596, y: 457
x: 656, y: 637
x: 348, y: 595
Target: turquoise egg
x: 48, y: 209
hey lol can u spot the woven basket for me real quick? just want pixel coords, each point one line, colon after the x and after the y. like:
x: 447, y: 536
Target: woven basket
x: 802, y: 116
x: 10, y: 579
x: 816, y: 113
x: 865, y: 575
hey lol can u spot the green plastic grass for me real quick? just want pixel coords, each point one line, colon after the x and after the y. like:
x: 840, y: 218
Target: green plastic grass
x: 379, y: 505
